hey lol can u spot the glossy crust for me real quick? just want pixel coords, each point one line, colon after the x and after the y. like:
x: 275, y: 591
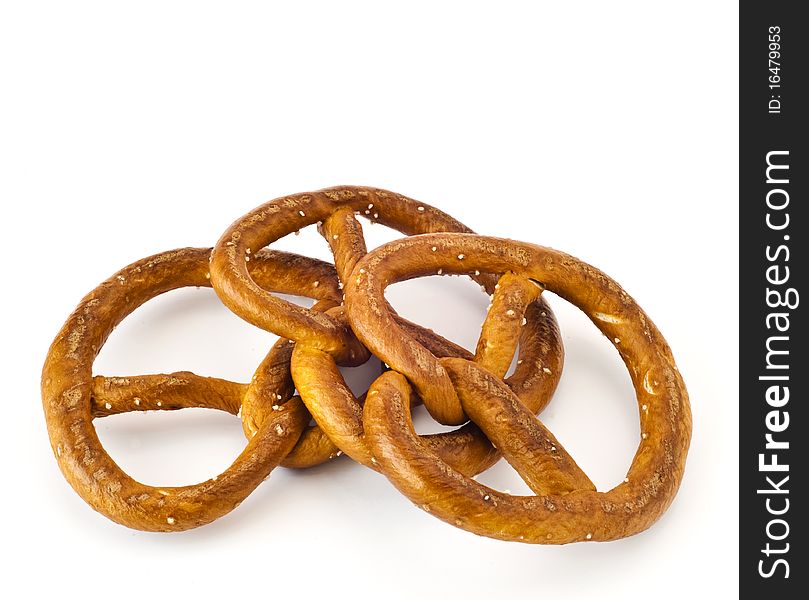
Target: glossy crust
x: 275, y: 421
x: 272, y: 386
x: 324, y: 343
x: 466, y: 449
x: 457, y: 387
x: 71, y: 398
x: 332, y: 210
x: 566, y: 508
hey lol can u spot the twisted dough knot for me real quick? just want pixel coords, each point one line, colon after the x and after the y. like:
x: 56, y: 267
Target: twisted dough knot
x: 275, y: 421
x: 72, y: 397
x: 456, y: 386
x: 323, y: 340
x: 567, y: 506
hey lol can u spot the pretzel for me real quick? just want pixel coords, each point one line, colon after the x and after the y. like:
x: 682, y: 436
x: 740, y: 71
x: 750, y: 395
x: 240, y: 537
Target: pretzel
x: 72, y: 397
x: 467, y: 449
x: 333, y: 210
x: 456, y: 386
x: 567, y: 507
x: 324, y: 341
x: 278, y: 426
x: 264, y: 404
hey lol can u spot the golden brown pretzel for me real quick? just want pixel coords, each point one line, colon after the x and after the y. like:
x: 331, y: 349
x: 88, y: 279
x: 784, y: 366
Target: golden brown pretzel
x: 72, y: 397
x: 265, y: 400
x: 567, y: 507
x: 324, y: 341
x: 333, y: 209
x: 466, y: 449
x: 281, y: 272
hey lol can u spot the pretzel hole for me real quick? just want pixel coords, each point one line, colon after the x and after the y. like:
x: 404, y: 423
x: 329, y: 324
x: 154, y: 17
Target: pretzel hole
x: 306, y: 241
x: 187, y: 329
x: 447, y: 305
x: 299, y: 300
x: 424, y: 424
x: 591, y: 413
x: 502, y: 476
x: 537, y: 283
x: 513, y: 364
x: 172, y: 448
x: 359, y: 379
x: 375, y: 233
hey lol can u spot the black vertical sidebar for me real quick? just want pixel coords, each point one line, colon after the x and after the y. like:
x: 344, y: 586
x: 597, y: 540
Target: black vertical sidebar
x: 774, y: 434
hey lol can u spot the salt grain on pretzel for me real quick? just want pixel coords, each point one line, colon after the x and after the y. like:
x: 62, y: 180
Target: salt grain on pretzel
x: 566, y: 508
x: 72, y: 398
x: 434, y: 471
x: 323, y: 345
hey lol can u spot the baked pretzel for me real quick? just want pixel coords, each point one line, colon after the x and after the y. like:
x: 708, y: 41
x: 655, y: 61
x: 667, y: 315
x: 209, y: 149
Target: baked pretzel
x: 324, y: 341
x: 457, y: 386
x: 567, y: 507
x: 278, y: 427
x: 333, y: 209
x: 72, y: 397
x: 261, y: 403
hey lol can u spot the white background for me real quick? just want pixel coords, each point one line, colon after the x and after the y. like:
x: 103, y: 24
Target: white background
x: 608, y: 130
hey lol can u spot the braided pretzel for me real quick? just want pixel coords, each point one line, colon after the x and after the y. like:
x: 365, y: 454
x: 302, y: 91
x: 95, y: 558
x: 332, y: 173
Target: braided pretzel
x: 145, y: 507
x: 567, y: 507
x: 278, y: 426
x: 324, y: 340
x: 467, y: 449
x: 72, y: 397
